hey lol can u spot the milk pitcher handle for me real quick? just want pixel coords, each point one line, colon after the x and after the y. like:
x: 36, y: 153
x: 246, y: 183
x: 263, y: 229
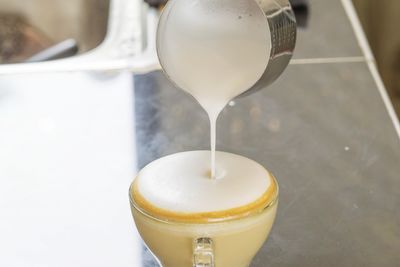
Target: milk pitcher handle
x: 203, y: 252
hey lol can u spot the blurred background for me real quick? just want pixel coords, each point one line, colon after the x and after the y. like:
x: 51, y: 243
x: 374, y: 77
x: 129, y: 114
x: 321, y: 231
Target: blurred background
x: 27, y: 28
x: 381, y: 20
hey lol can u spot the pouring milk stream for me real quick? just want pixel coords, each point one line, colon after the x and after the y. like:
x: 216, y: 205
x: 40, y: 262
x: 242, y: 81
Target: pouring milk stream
x: 214, y: 50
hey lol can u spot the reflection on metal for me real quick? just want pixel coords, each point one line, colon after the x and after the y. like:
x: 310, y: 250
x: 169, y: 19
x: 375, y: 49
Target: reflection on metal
x: 122, y: 49
x: 28, y: 27
x: 282, y: 26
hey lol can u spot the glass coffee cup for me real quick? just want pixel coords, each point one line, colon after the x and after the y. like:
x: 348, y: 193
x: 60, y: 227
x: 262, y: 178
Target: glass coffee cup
x: 229, y: 238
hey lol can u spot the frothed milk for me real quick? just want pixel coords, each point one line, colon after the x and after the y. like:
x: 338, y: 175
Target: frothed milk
x: 174, y: 202
x: 214, y: 50
x: 178, y: 187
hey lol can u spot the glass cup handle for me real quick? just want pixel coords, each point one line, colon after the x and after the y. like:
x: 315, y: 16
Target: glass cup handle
x: 203, y: 252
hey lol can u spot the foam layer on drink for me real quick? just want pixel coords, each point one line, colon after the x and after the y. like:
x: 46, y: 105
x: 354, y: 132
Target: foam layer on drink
x: 179, y: 186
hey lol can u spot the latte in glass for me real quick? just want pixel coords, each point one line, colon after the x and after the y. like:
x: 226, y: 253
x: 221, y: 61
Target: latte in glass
x: 188, y: 219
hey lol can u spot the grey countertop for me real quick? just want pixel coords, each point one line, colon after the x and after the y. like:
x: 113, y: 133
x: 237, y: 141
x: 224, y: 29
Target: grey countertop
x: 328, y: 33
x: 322, y: 129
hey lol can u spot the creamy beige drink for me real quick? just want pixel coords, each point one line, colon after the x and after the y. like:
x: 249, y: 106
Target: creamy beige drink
x: 174, y: 203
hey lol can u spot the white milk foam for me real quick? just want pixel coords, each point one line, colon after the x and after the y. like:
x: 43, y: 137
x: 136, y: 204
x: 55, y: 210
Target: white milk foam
x: 214, y: 50
x: 181, y: 183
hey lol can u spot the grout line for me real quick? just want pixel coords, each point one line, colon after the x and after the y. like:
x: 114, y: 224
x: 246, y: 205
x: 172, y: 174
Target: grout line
x: 358, y: 29
x: 327, y: 60
x: 362, y: 40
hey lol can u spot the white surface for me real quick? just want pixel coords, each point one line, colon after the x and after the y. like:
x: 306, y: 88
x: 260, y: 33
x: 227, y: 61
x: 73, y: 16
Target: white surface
x: 66, y: 162
x: 181, y: 182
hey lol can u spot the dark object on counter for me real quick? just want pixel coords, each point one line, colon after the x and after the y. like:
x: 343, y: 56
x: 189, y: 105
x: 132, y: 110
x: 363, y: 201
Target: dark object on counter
x: 63, y: 49
x: 301, y: 10
x: 156, y: 3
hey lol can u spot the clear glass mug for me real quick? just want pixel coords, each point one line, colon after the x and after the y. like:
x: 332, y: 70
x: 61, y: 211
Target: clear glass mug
x: 217, y: 242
